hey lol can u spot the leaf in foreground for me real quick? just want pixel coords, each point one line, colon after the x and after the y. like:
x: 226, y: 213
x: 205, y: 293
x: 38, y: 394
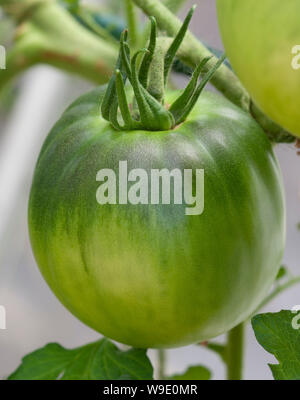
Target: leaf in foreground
x: 96, y: 361
x: 193, y: 373
x: 279, y: 334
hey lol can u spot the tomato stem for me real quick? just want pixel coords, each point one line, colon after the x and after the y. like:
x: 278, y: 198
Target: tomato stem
x: 161, y: 364
x: 235, y: 352
x: 174, y: 5
x: 87, y: 18
x: 193, y: 51
x: 50, y: 35
x: 131, y: 22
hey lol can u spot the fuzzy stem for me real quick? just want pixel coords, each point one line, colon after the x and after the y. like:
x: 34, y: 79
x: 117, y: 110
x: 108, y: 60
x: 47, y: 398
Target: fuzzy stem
x: 275, y: 133
x: 131, y: 22
x: 174, y: 5
x: 161, y: 363
x: 20, y: 10
x: 156, y: 85
x: 87, y: 18
x: 147, y: 59
x: 193, y: 51
x: 52, y: 36
x: 234, y: 352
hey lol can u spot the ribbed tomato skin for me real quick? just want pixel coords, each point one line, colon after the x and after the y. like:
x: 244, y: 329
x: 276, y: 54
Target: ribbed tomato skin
x: 262, y: 42
x: 149, y: 275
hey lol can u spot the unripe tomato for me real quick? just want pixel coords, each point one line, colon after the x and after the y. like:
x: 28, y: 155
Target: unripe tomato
x: 262, y: 42
x: 149, y: 275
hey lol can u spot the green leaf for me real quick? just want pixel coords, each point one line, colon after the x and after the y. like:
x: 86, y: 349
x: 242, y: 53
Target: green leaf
x: 198, y: 372
x: 279, y: 334
x: 96, y: 361
x: 281, y: 273
x: 220, y: 349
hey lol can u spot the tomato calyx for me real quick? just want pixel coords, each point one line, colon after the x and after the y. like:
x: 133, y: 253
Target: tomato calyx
x: 149, y: 79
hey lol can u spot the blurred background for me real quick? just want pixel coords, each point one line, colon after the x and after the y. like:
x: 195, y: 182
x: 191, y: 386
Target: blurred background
x: 34, y: 316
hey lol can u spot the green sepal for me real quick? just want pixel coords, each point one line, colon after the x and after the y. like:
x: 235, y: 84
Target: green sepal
x: 171, y: 53
x: 179, y: 104
x: 152, y: 113
x: 193, y: 100
x: 156, y: 82
x: 148, y: 57
x: 110, y: 94
x: 125, y: 55
x: 113, y: 115
x: 129, y: 122
x: 148, y: 111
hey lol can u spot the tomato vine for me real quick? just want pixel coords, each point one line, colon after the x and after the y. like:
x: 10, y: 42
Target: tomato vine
x: 70, y: 38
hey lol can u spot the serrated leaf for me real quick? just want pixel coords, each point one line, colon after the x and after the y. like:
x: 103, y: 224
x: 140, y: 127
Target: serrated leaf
x: 279, y: 334
x: 96, y: 361
x: 197, y: 372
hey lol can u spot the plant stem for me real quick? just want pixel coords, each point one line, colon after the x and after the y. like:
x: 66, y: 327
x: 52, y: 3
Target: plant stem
x: 276, y: 292
x: 61, y: 41
x: 156, y: 86
x: 131, y: 22
x: 235, y: 341
x: 193, y: 51
x: 234, y: 352
x: 52, y: 36
x: 274, y: 131
x: 161, y: 364
x: 87, y: 18
x: 174, y: 5
x: 20, y: 9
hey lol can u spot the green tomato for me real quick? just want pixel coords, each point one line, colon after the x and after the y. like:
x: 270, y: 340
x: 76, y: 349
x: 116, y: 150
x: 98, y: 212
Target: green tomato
x: 149, y: 275
x: 262, y: 42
